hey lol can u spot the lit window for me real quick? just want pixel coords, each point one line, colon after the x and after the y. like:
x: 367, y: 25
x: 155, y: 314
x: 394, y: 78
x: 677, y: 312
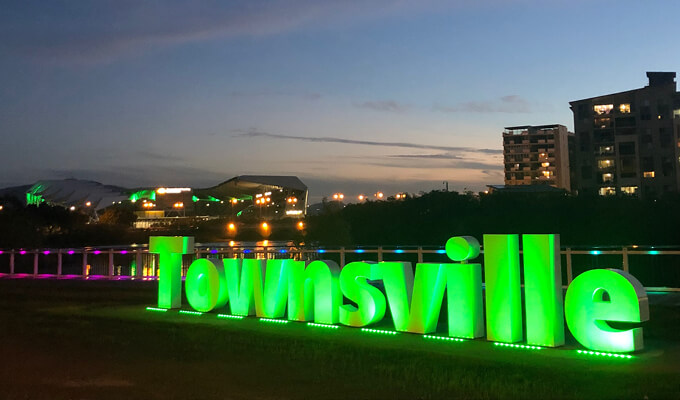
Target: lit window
x: 545, y: 164
x: 603, y: 122
x: 604, y: 164
x: 629, y: 189
x: 605, y: 150
x: 603, y: 109
x: 624, y: 108
x: 607, y: 191
x: 547, y: 174
x: 648, y: 174
x: 607, y: 177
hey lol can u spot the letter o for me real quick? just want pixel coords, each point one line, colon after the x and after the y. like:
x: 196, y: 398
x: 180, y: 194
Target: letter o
x: 202, y: 285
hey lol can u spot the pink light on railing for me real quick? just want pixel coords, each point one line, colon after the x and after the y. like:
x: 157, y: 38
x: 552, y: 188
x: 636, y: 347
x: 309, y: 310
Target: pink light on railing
x: 97, y: 252
x: 22, y: 252
x: 46, y: 252
x: 123, y: 252
x: 71, y: 252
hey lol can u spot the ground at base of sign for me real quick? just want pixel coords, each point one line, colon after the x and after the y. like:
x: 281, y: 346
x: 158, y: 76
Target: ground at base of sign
x: 96, y: 340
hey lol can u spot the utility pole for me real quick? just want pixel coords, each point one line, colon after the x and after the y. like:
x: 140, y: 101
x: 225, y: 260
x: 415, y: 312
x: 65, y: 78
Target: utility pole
x: 446, y: 185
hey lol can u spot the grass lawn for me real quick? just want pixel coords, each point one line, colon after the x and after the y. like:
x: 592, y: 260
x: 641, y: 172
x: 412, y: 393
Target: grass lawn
x: 70, y: 339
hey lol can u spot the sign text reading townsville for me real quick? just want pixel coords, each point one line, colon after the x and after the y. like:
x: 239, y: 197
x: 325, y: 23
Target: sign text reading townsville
x: 320, y: 291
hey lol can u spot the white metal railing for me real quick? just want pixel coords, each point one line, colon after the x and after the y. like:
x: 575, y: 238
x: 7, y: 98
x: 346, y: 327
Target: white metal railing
x: 135, y: 261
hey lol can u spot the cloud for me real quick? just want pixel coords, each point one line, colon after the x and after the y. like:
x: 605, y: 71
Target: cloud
x: 69, y: 32
x: 440, y: 156
x: 278, y: 93
x: 257, y: 134
x: 512, y: 104
x: 383, y: 105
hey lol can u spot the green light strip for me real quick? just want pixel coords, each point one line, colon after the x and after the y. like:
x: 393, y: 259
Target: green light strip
x: 597, y: 353
x: 275, y: 321
x: 156, y: 309
x: 190, y: 312
x: 449, y: 339
x: 230, y: 316
x: 378, y: 331
x: 518, y: 346
x: 323, y: 325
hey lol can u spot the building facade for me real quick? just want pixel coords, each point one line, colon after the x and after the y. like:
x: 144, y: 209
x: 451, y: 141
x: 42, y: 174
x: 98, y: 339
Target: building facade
x: 537, y: 155
x: 628, y: 142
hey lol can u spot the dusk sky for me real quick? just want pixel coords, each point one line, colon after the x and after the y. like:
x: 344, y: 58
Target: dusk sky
x: 351, y: 96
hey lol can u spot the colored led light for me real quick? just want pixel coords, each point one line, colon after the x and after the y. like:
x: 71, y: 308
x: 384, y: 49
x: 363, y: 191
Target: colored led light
x: 156, y: 309
x: 246, y: 251
x: 323, y: 325
x: 518, y: 346
x: 274, y: 321
x: 378, y: 331
x: 321, y: 251
x: 71, y: 252
x: 190, y: 312
x: 22, y: 252
x: 653, y: 252
x: 283, y: 251
x: 123, y: 252
x: 449, y: 339
x: 97, y: 252
x: 230, y: 316
x: 46, y: 252
x: 1, y: 251
x: 601, y: 354
x: 441, y: 251
x: 398, y: 251
x: 359, y: 251
x: 213, y: 251
x: 595, y: 252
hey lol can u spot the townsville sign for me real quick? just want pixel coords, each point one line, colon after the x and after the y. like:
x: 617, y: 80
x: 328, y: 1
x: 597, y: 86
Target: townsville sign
x: 359, y: 294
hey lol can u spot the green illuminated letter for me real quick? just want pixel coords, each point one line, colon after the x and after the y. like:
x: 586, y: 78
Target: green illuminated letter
x: 276, y: 286
x: 244, y: 285
x: 205, y: 285
x: 503, y: 296
x: 588, y: 311
x: 314, y: 292
x: 369, y: 300
x: 543, y: 290
x: 170, y: 250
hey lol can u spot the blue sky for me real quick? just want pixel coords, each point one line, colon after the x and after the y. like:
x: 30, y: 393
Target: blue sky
x: 352, y: 96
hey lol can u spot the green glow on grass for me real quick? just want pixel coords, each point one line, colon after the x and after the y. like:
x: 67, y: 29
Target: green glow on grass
x: 597, y: 353
x: 445, y: 338
x: 518, y: 346
x: 543, y: 290
x: 503, y: 296
x: 155, y: 309
x: 190, y: 312
x: 379, y: 331
x: 323, y: 325
x: 274, y: 321
x: 230, y: 316
x: 588, y: 312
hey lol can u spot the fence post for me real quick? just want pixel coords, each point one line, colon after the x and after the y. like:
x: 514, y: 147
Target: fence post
x: 139, y: 271
x: 420, y: 254
x: 35, y: 263
x: 84, y: 271
x: 569, y: 272
x: 59, y: 263
x: 342, y: 257
x: 11, y: 262
x: 380, y: 254
x: 625, y: 258
x: 110, y: 263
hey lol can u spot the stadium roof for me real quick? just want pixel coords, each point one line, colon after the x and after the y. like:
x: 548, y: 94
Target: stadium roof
x: 75, y: 192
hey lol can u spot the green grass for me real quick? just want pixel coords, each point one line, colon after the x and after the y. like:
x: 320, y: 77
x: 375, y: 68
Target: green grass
x: 73, y: 339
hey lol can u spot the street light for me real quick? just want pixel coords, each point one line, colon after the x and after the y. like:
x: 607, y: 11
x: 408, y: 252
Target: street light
x: 300, y: 225
x: 338, y: 196
x: 380, y: 195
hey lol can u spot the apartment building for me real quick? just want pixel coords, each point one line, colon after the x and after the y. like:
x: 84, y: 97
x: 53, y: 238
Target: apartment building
x: 628, y: 142
x: 537, y: 155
